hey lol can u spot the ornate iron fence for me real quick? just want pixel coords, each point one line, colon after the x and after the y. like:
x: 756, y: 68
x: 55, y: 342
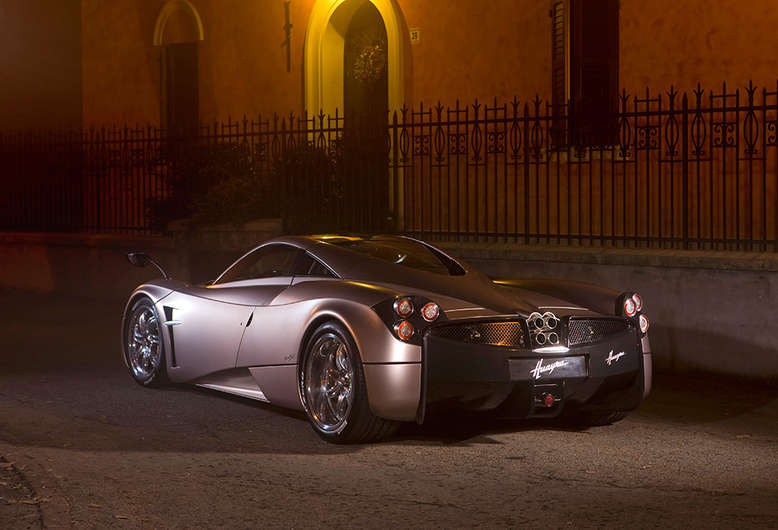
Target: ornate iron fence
x: 693, y: 171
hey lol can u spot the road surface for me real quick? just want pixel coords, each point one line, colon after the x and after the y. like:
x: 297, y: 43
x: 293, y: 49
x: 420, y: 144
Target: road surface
x: 82, y: 445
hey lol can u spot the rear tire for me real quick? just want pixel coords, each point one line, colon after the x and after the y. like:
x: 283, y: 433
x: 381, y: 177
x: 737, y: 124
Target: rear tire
x: 333, y: 390
x: 144, y: 348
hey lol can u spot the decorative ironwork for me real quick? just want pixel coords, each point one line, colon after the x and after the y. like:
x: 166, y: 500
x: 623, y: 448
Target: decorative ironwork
x: 692, y: 170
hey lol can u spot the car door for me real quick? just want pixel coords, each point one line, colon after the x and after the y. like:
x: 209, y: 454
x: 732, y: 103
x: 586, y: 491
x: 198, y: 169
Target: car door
x: 273, y: 337
x: 206, y: 323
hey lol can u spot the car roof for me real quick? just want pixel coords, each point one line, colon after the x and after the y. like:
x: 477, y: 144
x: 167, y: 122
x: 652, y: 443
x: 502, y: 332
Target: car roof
x: 345, y: 262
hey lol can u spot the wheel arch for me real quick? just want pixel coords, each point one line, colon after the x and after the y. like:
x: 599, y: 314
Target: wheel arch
x: 154, y: 294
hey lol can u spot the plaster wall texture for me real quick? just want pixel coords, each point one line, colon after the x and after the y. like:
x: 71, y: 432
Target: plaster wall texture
x: 40, y: 65
x: 467, y: 50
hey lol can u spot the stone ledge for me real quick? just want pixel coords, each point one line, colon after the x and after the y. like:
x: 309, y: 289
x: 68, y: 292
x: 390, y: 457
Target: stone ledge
x: 56, y: 239
x: 688, y: 259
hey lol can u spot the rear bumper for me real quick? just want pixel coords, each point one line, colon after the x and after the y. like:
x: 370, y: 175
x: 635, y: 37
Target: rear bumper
x: 612, y: 375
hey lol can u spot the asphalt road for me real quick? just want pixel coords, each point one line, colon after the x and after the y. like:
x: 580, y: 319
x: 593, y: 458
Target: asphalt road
x: 82, y: 445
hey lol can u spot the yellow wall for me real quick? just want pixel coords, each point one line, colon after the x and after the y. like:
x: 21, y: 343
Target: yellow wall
x: 476, y: 49
x: 666, y: 42
x: 40, y: 64
x: 468, y: 49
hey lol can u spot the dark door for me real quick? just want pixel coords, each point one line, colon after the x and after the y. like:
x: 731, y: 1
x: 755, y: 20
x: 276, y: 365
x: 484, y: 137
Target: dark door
x: 181, y: 89
x: 366, y: 103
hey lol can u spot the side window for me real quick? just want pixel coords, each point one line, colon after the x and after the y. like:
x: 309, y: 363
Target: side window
x: 266, y: 262
x: 307, y: 265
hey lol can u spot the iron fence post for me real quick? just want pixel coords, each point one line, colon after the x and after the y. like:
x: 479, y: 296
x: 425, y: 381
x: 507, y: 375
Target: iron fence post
x: 526, y: 173
x: 395, y: 177
x: 685, y: 169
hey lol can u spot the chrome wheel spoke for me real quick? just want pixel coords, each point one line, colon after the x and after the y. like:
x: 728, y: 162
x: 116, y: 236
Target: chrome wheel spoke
x: 327, y: 376
x: 143, y: 344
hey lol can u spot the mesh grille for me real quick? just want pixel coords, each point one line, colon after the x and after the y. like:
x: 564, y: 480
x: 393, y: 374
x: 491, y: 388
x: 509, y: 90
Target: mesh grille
x: 490, y: 333
x: 589, y: 331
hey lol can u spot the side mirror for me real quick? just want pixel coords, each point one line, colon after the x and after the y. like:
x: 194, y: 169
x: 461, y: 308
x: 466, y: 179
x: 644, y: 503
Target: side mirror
x: 141, y: 259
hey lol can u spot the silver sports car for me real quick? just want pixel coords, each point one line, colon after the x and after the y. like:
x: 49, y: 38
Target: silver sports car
x: 365, y: 332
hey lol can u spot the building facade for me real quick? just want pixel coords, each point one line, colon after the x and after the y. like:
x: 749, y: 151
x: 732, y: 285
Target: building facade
x: 262, y: 56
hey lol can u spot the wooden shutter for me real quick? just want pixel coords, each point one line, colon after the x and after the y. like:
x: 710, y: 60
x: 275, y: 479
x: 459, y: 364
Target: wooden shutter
x: 558, y: 71
x: 594, y: 70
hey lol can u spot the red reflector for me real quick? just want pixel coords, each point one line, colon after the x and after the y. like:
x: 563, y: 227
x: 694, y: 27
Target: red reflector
x: 404, y: 330
x: 403, y: 307
x: 629, y: 307
x: 548, y: 400
x: 430, y: 311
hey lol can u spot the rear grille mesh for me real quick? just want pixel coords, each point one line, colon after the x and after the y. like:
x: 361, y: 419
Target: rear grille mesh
x: 589, y: 331
x: 489, y: 333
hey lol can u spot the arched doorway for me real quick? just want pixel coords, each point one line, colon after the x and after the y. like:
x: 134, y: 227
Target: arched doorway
x: 325, y: 47
x: 355, y: 60
x: 365, y: 72
x: 365, y: 110
x: 177, y: 32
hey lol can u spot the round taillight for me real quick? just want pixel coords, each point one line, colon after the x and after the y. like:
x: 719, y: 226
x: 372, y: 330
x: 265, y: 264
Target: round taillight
x: 638, y: 301
x: 643, y: 323
x: 404, y: 330
x: 430, y: 312
x: 629, y: 307
x: 403, y: 307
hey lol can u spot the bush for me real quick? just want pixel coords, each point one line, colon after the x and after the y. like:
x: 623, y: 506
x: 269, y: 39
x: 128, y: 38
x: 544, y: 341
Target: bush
x: 223, y: 184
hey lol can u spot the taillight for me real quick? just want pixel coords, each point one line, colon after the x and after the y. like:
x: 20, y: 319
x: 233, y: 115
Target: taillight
x: 404, y: 330
x: 638, y: 301
x: 430, y: 312
x: 403, y: 307
x: 643, y: 320
x: 630, y: 307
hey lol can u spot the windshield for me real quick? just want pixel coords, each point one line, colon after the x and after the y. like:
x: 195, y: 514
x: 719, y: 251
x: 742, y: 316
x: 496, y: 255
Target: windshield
x: 403, y: 252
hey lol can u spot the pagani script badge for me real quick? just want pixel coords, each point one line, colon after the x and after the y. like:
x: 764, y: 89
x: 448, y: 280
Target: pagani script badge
x: 613, y: 358
x: 541, y: 369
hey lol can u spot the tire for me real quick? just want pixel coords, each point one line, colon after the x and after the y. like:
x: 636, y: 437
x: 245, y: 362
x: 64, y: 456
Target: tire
x: 144, y: 349
x: 333, y: 391
x: 596, y: 419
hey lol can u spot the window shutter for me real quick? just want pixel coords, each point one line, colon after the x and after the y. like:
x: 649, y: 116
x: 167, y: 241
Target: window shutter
x: 558, y: 71
x: 595, y: 70
x: 558, y: 53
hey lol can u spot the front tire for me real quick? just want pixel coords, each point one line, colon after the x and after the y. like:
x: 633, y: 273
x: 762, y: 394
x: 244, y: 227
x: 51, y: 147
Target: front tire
x: 144, y: 349
x: 333, y: 390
